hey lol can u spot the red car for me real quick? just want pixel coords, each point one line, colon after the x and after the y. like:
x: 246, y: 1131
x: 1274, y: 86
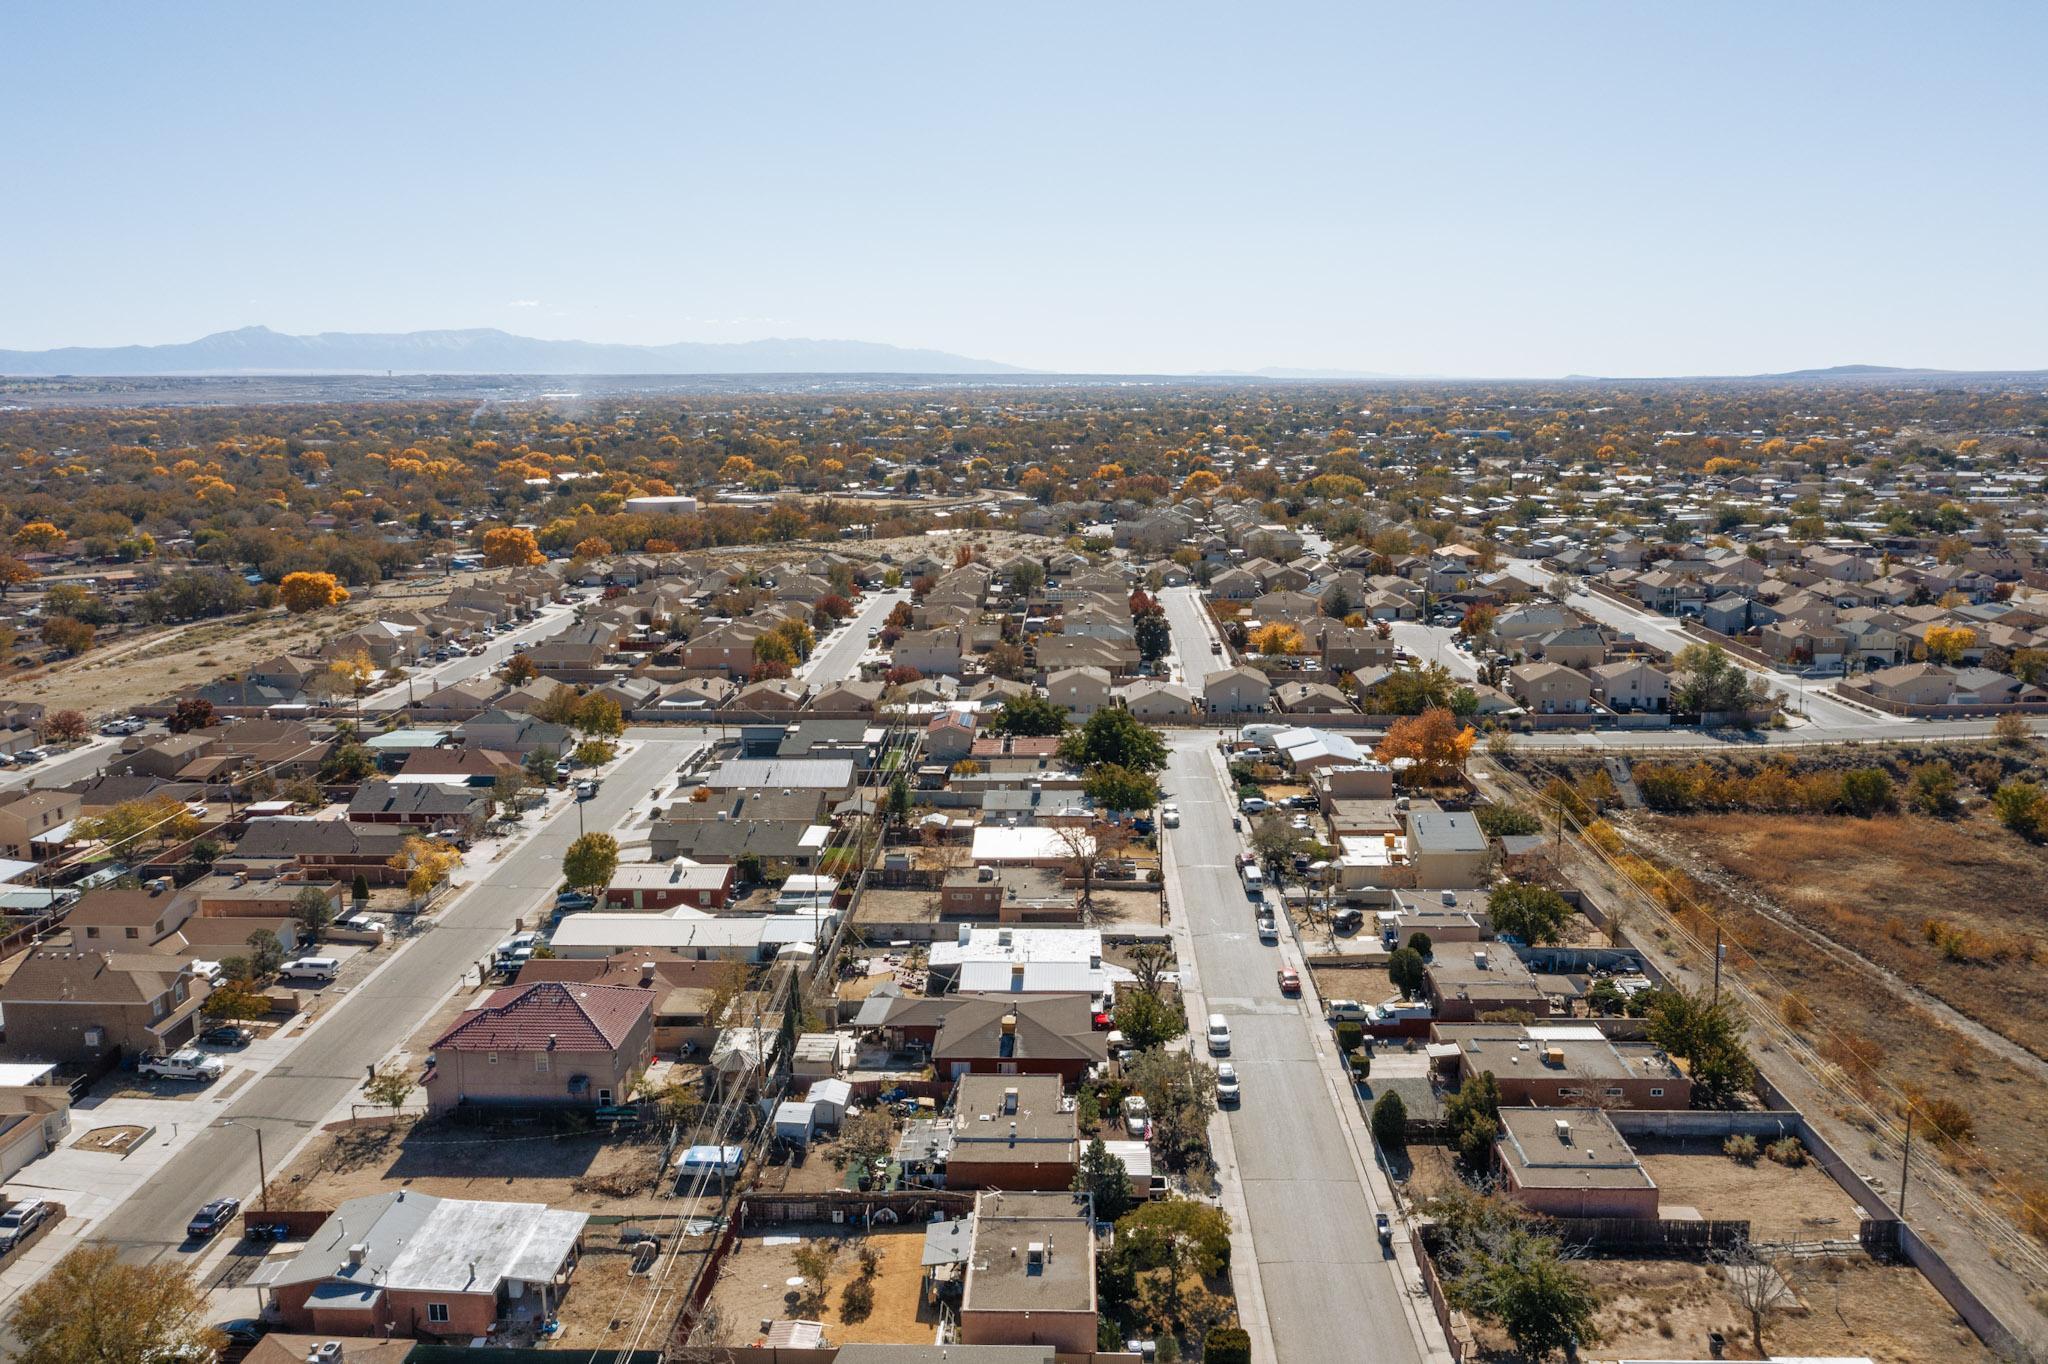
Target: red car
x: 1290, y: 981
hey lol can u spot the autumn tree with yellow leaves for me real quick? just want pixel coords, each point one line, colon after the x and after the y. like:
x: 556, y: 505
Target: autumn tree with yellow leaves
x: 1278, y: 638
x: 425, y: 862
x: 303, y: 592
x: 1948, y: 643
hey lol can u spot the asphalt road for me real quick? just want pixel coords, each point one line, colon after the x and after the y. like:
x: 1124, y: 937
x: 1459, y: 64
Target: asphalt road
x: 80, y: 763
x: 1807, y: 696
x: 373, y: 1020
x: 1329, y: 1293
x: 424, y: 681
x: 837, y: 660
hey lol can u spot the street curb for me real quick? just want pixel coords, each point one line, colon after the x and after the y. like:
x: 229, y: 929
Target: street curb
x: 1244, y: 1257
x: 1428, y: 1334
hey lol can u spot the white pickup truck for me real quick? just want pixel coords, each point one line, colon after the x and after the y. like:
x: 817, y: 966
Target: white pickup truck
x: 184, y: 1064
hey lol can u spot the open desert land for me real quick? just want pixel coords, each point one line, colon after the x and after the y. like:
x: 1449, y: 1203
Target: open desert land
x: 1905, y: 948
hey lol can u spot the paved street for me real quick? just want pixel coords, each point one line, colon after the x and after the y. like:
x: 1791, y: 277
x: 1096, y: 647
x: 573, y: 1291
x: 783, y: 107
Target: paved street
x: 80, y: 763
x: 837, y: 661
x: 552, y: 621
x: 1802, y: 695
x: 1327, y: 1291
x: 376, y: 1018
x: 1329, y: 1294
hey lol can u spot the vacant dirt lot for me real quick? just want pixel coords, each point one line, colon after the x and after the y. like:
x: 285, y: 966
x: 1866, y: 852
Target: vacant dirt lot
x: 134, y: 669
x: 1832, y: 908
x: 753, y: 1285
x: 1663, y: 1309
x: 592, y: 1174
x: 1780, y: 1202
x: 1877, y: 885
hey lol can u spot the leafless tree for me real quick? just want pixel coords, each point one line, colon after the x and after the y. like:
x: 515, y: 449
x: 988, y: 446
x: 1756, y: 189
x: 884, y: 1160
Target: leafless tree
x: 1148, y: 963
x: 1757, y: 1288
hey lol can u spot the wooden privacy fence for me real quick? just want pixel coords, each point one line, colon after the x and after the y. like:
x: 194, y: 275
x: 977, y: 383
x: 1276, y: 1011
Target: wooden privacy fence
x: 1646, y: 1235
x: 904, y: 1208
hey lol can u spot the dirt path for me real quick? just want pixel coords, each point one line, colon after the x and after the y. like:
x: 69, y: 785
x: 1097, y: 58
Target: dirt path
x: 1701, y: 869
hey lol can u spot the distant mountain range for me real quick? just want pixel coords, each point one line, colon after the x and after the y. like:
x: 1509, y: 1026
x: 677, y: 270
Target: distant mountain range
x: 1879, y: 372
x: 484, y: 350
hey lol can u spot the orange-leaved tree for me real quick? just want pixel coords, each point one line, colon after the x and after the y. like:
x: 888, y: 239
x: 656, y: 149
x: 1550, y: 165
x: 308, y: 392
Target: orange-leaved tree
x: 1434, y: 741
x: 592, y: 547
x: 303, y: 592
x: 510, y: 547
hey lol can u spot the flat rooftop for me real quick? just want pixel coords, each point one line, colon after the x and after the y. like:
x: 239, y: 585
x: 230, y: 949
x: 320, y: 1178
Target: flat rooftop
x: 1568, y: 1148
x: 1481, y: 971
x: 980, y: 1115
x: 1003, y: 1272
x: 1509, y: 1050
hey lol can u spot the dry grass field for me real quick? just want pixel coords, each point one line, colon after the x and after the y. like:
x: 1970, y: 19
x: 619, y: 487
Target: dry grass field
x: 1904, y: 948
x: 1952, y: 907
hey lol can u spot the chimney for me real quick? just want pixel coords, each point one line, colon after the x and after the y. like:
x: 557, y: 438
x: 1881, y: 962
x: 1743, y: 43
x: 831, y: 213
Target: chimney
x: 358, y: 1253
x: 1009, y: 1025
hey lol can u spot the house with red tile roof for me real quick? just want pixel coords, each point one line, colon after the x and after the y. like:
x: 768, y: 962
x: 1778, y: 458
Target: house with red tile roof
x: 547, y: 1043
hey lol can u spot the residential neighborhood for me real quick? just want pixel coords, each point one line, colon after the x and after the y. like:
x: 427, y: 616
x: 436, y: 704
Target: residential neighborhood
x: 1008, y: 939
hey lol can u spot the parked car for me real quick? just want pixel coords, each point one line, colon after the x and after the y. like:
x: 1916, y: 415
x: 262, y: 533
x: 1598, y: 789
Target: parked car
x: 1219, y: 1035
x: 1253, y: 805
x: 1137, y: 1117
x: 586, y: 789
x: 1269, y: 928
x: 227, y: 1035
x: 1169, y: 815
x: 570, y: 900
x: 187, y: 1063
x: 207, y: 1222
x: 320, y: 969
x: 1347, y: 1011
x: 1290, y: 981
x: 21, y: 1219
x: 1348, y: 920
x: 243, y: 1330
x: 1226, y: 1085
x: 1215, y: 647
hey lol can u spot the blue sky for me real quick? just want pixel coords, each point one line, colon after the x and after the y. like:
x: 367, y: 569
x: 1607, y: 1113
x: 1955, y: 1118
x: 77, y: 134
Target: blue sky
x: 1433, y: 188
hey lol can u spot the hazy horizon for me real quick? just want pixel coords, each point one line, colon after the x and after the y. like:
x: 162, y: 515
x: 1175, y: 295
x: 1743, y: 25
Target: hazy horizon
x: 1495, y: 191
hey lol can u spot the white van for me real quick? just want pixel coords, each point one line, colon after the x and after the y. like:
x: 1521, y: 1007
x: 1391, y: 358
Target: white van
x: 1219, y: 1035
x: 1254, y: 882
x: 322, y: 969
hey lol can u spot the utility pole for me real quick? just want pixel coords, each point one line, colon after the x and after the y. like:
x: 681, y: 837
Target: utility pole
x: 1906, y: 1163
x: 1718, y: 952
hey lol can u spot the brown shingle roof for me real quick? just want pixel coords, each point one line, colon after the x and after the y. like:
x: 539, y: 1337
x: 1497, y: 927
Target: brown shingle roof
x: 550, y: 1015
